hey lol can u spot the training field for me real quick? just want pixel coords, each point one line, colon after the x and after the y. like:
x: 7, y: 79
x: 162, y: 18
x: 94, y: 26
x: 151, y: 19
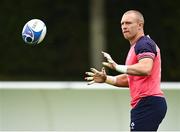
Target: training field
x: 74, y: 106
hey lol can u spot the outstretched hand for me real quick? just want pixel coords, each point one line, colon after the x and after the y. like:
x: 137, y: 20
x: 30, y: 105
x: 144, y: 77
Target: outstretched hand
x: 96, y: 76
x: 110, y: 62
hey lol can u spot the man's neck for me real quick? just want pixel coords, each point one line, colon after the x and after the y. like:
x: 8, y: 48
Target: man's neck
x: 136, y: 38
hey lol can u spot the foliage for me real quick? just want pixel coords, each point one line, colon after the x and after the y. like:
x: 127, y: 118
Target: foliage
x: 64, y: 54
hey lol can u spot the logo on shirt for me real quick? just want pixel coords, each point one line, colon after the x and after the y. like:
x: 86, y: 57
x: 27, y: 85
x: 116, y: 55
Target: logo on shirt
x: 132, y: 125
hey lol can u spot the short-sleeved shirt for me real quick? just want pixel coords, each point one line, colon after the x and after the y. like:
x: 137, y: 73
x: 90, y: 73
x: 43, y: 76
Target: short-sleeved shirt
x: 142, y: 86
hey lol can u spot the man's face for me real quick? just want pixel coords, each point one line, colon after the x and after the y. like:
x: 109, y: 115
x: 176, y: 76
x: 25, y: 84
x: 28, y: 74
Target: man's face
x: 130, y: 26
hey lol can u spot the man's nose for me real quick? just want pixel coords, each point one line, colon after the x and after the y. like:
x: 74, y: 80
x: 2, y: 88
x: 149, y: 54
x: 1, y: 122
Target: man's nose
x: 124, y: 27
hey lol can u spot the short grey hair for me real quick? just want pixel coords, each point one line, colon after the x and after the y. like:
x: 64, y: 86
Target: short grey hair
x: 138, y: 14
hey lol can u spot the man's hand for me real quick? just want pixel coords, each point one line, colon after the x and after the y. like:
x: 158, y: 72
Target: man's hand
x: 110, y: 62
x: 96, y: 76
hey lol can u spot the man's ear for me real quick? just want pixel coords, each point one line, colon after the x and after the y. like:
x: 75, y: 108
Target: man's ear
x: 140, y: 25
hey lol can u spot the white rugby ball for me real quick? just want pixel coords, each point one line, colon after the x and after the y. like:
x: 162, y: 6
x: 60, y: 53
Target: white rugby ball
x: 34, y: 31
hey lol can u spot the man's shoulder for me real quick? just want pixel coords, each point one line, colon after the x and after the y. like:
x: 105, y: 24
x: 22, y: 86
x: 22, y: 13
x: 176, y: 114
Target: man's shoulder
x: 145, y: 44
x: 145, y: 39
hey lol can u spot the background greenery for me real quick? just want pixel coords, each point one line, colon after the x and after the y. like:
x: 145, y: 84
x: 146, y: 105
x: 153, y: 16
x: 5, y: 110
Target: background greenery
x: 64, y: 53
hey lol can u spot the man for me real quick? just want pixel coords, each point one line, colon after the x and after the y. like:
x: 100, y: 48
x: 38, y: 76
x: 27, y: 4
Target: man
x: 141, y: 73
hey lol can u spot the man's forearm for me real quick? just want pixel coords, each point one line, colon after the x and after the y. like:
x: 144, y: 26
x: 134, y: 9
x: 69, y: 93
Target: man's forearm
x: 119, y: 81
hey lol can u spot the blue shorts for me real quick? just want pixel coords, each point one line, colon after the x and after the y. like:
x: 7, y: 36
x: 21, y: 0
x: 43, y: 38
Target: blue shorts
x: 148, y: 114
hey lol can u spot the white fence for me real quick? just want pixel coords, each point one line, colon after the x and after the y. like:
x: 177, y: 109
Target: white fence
x: 74, y: 106
x: 70, y: 85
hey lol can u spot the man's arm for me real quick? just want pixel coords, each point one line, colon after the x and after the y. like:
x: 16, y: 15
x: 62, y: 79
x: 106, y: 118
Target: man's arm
x: 96, y: 76
x: 119, y: 80
x: 142, y: 68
